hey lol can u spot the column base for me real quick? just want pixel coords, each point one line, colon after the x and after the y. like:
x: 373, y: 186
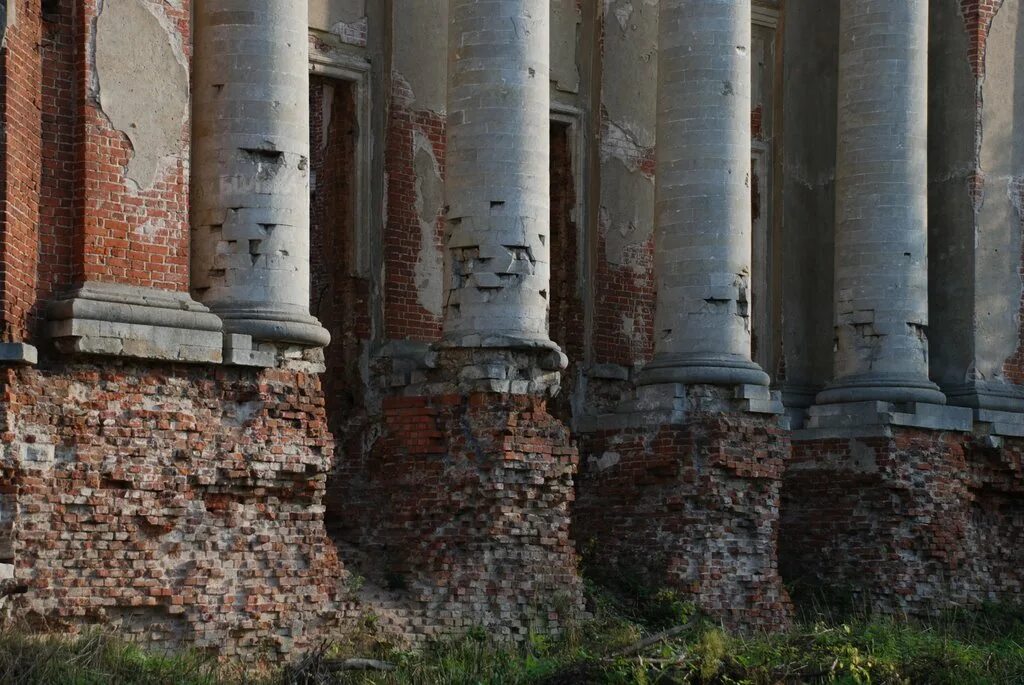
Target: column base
x: 703, y: 370
x: 683, y: 492
x: 130, y: 321
x: 263, y: 323
x: 883, y: 388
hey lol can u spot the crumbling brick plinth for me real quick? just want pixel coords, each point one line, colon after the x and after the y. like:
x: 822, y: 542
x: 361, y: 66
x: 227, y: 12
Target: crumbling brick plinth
x: 690, y: 501
x: 463, y: 503
x: 178, y: 504
x: 907, y: 522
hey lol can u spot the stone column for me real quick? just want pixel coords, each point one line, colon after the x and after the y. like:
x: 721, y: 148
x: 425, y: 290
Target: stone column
x: 250, y: 169
x: 703, y: 203
x: 498, y: 187
x: 881, y: 268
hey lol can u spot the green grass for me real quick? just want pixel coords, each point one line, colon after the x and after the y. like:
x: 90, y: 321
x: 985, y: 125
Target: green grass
x: 961, y: 648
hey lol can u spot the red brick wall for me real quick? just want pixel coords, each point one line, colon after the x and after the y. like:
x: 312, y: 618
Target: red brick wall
x: 20, y: 170
x: 340, y: 297
x: 404, y: 316
x: 59, y: 195
x: 136, y: 237
x: 566, y: 324
x: 565, y: 321
x: 978, y: 15
x: 183, y: 502
x: 625, y: 291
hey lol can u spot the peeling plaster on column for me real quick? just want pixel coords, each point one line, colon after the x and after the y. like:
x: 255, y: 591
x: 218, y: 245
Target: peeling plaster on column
x: 497, y: 174
x: 617, y: 142
x: 250, y: 238
x: 429, y: 269
x: 142, y: 83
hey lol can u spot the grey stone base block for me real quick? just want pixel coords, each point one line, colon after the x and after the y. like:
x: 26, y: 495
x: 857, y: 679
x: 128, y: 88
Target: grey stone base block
x: 990, y: 395
x: 866, y: 419
x: 18, y: 353
x: 671, y: 403
x: 798, y: 399
x: 1005, y: 423
x: 239, y: 351
x: 129, y: 321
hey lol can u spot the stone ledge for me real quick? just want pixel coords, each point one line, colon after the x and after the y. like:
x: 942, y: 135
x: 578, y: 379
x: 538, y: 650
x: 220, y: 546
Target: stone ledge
x: 129, y: 321
x: 18, y: 353
x: 876, y: 419
x: 672, y: 403
x: 993, y: 398
x: 1005, y: 423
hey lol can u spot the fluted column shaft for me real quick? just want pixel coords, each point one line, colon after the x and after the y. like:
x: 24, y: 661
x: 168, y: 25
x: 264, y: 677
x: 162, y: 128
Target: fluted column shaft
x: 497, y: 173
x: 703, y: 201
x: 881, y: 267
x: 250, y: 182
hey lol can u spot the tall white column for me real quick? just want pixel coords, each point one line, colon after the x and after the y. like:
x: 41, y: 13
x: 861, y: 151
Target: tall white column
x: 703, y: 202
x: 250, y: 168
x: 881, y: 267
x: 497, y: 167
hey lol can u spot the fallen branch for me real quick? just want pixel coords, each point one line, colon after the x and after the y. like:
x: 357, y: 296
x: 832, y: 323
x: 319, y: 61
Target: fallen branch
x: 360, y: 665
x: 649, y: 641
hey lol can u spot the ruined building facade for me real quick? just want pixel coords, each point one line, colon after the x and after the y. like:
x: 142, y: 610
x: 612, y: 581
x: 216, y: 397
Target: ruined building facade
x: 418, y: 308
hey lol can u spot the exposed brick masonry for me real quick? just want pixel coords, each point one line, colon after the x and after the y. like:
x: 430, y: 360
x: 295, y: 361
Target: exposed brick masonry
x: 20, y: 151
x: 181, y: 504
x: 909, y: 523
x: 404, y: 316
x: 340, y: 296
x: 978, y: 15
x: 692, y: 505
x: 462, y: 508
x: 566, y: 323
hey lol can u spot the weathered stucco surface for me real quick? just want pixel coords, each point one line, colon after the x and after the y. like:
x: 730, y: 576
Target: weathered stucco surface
x: 566, y: 19
x: 998, y: 288
x: 627, y: 223
x: 143, y: 83
x: 326, y: 15
x: 429, y: 204
x: 420, y: 56
x: 630, y: 64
